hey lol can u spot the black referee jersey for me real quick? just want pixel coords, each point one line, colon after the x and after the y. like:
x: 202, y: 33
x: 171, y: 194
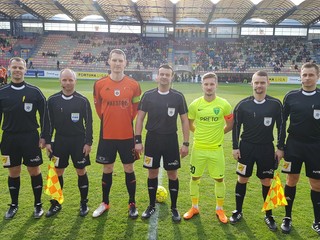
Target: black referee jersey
x: 163, y: 110
x: 303, y: 108
x: 19, y: 104
x: 258, y: 119
x: 69, y: 116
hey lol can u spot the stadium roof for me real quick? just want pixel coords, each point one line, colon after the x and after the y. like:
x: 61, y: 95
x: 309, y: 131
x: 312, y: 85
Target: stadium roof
x: 173, y: 11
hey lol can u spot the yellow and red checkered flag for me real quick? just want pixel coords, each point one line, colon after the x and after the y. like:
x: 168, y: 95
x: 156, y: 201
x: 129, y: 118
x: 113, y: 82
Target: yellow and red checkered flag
x: 275, y: 195
x: 53, y: 187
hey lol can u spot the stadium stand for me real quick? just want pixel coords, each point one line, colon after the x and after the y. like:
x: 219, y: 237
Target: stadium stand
x: 89, y: 52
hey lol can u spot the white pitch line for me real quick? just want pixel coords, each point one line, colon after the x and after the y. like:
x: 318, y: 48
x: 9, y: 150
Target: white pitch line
x: 153, y: 222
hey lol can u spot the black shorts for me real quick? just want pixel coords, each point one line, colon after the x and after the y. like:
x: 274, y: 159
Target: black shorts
x: 261, y: 154
x: 298, y: 152
x: 108, y: 149
x: 18, y: 146
x: 64, y: 147
x: 161, y: 145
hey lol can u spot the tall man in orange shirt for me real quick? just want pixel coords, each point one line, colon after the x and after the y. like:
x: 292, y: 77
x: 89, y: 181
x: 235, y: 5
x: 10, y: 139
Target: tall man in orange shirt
x: 116, y: 99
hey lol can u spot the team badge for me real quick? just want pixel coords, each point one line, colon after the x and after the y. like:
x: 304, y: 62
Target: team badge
x: 267, y: 121
x: 316, y: 114
x: 5, y: 160
x: 75, y: 117
x: 28, y: 107
x: 241, y: 168
x: 171, y: 111
x: 117, y: 92
x: 216, y: 111
x: 148, y: 161
x: 286, y: 167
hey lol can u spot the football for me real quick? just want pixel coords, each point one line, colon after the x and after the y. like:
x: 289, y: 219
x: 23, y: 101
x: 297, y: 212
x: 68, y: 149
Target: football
x: 162, y: 194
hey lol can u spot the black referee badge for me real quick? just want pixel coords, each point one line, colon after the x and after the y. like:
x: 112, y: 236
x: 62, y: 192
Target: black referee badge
x: 75, y: 117
x: 28, y: 107
x: 171, y: 111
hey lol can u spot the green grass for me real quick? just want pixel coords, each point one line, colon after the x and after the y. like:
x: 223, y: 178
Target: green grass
x: 115, y: 223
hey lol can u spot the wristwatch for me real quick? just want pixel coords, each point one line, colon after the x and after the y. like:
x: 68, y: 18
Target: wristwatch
x: 185, y: 144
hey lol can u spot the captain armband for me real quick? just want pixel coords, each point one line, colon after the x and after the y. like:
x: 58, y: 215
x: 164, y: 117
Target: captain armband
x: 137, y: 139
x: 229, y: 117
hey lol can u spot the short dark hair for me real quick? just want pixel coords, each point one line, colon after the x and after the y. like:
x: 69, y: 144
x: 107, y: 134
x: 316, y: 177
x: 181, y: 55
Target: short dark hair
x: 166, y: 66
x: 117, y: 51
x: 210, y: 75
x: 261, y: 74
x: 310, y: 65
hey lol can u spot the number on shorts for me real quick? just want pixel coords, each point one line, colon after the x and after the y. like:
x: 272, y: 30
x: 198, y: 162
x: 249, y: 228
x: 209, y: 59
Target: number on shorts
x: 192, y: 169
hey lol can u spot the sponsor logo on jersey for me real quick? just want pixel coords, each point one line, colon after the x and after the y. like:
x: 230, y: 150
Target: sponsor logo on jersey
x: 209, y: 119
x: 75, y: 117
x: 171, y: 111
x: 316, y: 114
x: 28, y: 107
x: 267, y: 121
x: 117, y: 92
x: 124, y: 103
x: 216, y: 111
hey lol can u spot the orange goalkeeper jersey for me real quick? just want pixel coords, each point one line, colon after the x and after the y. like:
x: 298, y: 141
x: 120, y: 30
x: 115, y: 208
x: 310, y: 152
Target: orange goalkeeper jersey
x: 116, y: 104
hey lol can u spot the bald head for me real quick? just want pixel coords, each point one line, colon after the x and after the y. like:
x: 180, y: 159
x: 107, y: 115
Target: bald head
x: 68, y: 81
x: 68, y: 71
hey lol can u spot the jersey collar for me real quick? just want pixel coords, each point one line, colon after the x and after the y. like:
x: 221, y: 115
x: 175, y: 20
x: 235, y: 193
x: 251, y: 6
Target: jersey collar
x: 261, y: 102
x: 67, y: 97
x: 309, y: 93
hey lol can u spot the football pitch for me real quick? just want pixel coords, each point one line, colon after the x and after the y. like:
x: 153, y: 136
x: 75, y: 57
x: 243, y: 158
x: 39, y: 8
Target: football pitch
x: 115, y: 224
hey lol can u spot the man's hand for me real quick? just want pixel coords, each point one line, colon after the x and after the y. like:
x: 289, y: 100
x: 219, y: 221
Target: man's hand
x: 139, y: 148
x: 49, y: 150
x: 278, y: 155
x: 86, y: 150
x: 236, y: 154
x: 184, y: 150
x: 42, y: 143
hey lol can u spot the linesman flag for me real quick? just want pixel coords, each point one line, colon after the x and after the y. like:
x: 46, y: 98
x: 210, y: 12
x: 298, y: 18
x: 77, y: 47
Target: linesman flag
x: 53, y: 187
x: 275, y: 195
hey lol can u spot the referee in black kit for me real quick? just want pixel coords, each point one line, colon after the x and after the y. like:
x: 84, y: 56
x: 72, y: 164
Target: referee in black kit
x: 257, y: 115
x: 19, y: 104
x: 303, y: 142
x: 70, y: 115
x: 162, y: 106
